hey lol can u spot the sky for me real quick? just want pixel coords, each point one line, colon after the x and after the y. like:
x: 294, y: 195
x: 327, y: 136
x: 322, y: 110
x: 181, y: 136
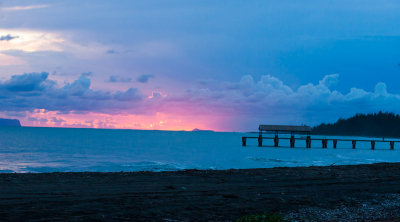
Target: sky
x: 179, y: 65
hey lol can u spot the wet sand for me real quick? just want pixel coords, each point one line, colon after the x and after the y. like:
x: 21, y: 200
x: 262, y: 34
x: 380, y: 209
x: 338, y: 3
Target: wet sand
x: 347, y: 193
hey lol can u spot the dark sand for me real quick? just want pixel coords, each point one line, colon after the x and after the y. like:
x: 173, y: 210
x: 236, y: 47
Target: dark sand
x: 348, y: 193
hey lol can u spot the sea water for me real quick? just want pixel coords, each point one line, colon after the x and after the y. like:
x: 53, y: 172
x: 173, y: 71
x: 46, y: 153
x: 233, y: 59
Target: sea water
x: 29, y: 149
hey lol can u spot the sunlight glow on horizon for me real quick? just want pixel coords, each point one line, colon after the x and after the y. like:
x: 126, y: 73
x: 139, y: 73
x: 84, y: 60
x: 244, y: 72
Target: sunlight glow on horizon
x: 159, y: 121
x: 212, y: 65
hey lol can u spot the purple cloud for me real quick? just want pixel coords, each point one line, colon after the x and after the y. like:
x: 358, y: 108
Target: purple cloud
x: 269, y: 100
x: 27, y: 82
x: 111, y: 51
x: 244, y: 103
x: 118, y: 79
x: 144, y: 78
x: 35, y: 91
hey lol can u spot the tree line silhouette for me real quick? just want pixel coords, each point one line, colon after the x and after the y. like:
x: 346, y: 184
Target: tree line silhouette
x: 381, y: 124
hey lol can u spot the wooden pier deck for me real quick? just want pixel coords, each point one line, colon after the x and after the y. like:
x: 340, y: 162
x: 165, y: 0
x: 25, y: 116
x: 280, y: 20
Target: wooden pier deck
x: 308, y: 140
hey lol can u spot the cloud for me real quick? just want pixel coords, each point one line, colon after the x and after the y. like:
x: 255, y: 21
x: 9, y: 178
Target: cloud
x: 24, y: 8
x: 8, y: 37
x: 111, y: 51
x: 31, y: 41
x: 57, y: 121
x: 114, y: 78
x: 144, y: 78
x: 7, y: 60
x: 131, y: 94
x: 156, y: 95
x: 242, y: 104
x: 32, y: 91
x: 27, y: 82
x: 270, y: 100
x: 87, y: 74
x: 329, y: 80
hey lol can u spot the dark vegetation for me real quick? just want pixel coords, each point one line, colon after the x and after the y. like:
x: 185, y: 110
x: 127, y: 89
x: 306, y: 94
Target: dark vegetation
x: 372, y: 125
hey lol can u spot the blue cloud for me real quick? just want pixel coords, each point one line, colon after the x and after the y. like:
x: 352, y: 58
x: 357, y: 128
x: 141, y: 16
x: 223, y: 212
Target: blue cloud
x: 36, y: 91
x: 270, y: 100
x: 27, y: 82
x: 249, y: 101
x: 7, y: 37
x: 119, y: 79
x: 111, y: 51
x: 129, y: 95
x: 144, y: 78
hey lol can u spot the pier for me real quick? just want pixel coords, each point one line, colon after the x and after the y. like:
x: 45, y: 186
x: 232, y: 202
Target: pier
x: 305, y: 130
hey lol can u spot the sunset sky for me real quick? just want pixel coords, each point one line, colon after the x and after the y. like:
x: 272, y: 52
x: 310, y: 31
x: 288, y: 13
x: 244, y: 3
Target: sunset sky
x: 178, y: 65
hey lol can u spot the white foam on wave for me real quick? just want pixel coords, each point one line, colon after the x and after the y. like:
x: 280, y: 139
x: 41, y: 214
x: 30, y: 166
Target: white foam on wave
x: 152, y: 166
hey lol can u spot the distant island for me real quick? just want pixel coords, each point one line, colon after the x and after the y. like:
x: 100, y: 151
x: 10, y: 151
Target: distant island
x: 200, y: 130
x: 372, y: 125
x: 9, y: 122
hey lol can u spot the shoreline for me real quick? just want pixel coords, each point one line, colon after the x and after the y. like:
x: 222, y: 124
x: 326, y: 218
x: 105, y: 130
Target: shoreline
x: 340, y: 193
x: 183, y: 170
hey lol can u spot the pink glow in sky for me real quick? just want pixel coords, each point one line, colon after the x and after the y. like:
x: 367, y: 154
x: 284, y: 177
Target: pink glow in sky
x: 160, y: 121
x: 215, y: 65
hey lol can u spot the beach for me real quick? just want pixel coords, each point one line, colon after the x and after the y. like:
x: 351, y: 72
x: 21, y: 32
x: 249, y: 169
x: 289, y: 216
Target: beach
x: 330, y: 193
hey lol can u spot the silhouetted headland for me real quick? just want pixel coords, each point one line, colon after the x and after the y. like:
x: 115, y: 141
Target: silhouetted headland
x: 9, y: 122
x: 372, y: 125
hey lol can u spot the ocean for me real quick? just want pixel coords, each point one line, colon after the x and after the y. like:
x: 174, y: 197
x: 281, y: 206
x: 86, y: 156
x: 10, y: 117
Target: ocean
x: 34, y: 150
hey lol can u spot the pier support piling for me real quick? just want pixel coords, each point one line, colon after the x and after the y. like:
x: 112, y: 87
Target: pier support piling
x: 308, y: 142
x: 354, y: 143
x: 276, y: 140
x: 372, y: 145
x: 324, y: 143
x: 334, y: 143
x: 292, y: 140
x: 243, y: 141
x: 260, y: 139
x: 392, y: 145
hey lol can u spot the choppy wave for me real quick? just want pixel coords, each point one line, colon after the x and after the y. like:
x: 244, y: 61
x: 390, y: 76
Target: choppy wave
x: 271, y: 160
